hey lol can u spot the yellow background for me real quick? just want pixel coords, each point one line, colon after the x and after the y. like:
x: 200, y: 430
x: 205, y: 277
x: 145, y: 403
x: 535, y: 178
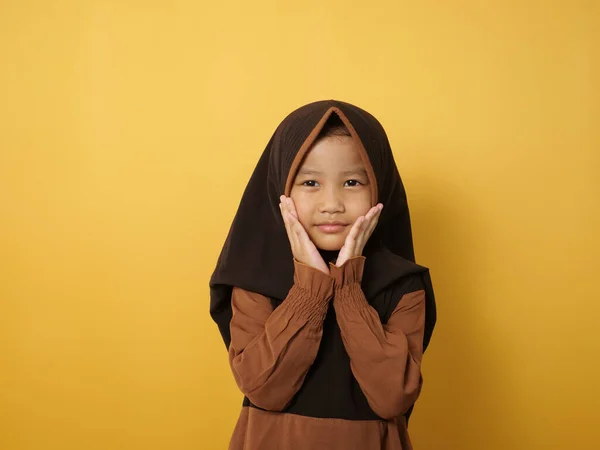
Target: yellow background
x: 128, y: 130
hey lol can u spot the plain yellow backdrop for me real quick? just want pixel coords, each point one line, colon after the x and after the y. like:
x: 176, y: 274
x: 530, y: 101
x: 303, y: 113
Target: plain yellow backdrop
x: 128, y: 130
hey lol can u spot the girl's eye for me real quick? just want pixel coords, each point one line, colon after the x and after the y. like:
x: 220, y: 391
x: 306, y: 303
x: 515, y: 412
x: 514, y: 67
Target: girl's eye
x: 352, y: 183
x: 310, y: 183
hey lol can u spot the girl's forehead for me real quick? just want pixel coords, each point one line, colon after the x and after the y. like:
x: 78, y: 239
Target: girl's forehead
x: 333, y: 152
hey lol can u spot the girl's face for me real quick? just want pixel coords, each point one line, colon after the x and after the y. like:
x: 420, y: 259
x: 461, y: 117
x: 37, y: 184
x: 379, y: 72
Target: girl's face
x: 331, y: 190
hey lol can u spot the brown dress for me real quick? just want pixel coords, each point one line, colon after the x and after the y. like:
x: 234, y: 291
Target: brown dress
x: 271, y: 352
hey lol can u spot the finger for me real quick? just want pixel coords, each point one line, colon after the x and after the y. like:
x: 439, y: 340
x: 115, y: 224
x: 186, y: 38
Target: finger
x: 352, y: 238
x: 374, y: 219
x: 298, y: 232
x: 293, y: 221
x: 349, y: 248
x: 288, y: 222
x: 295, y: 237
x: 288, y: 229
x: 282, y: 203
x: 283, y: 208
x: 342, y: 257
x: 357, y: 228
x: 291, y: 206
x: 372, y: 212
x: 296, y: 225
x: 303, y: 239
x: 363, y: 235
x: 344, y: 254
x: 307, y: 251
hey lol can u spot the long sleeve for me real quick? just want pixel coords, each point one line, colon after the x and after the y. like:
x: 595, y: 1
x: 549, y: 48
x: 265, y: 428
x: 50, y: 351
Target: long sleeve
x: 385, y: 358
x: 271, y: 351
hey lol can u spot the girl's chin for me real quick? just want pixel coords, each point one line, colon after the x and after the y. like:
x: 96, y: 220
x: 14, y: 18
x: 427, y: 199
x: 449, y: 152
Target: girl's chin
x: 329, y: 249
x: 330, y: 245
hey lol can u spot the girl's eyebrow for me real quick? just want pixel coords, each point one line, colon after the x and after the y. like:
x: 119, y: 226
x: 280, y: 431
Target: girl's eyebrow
x: 357, y: 171
x: 309, y: 172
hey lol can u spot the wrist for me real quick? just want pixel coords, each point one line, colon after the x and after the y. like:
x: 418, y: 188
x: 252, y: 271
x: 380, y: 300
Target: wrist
x: 312, y: 280
x: 312, y: 265
x: 349, y: 272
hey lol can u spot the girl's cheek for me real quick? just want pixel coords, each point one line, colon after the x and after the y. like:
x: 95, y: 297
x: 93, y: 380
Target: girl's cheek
x: 300, y: 201
x: 302, y: 215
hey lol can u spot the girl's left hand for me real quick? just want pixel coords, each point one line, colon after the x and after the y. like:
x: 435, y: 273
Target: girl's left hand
x: 359, y: 235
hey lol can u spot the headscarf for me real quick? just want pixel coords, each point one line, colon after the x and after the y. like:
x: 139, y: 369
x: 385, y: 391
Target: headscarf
x: 257, y: 255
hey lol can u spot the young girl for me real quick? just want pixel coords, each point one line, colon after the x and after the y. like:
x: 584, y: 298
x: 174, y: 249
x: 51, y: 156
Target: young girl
x: 316, y: 293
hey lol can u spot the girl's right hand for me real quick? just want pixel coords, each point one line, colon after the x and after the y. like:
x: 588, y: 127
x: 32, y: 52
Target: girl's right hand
x: 303, y: 249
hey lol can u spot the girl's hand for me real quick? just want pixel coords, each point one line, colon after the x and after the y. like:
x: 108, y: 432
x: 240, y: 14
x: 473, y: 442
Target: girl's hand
x: 303, y: 249
x: 359, y: 235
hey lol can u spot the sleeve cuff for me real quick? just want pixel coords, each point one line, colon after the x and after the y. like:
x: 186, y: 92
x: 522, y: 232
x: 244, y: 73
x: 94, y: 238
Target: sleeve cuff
x: 319, y: 284
x: 350, y: 272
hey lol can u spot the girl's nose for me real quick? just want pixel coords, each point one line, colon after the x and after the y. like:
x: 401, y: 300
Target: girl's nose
x: 331, y: 202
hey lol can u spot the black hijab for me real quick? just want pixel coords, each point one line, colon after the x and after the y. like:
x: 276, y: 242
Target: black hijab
x: 257, y: 255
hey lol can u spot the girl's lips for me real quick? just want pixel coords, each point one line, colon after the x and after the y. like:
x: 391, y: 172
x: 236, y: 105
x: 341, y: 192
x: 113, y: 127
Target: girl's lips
x: 331, y: 227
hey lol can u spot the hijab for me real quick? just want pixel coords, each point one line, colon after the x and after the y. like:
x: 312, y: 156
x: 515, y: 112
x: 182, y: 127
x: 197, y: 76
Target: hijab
x: 257, y: 255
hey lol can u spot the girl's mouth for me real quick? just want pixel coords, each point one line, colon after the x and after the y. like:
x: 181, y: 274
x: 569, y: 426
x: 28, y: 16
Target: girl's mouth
x: 332, y: 228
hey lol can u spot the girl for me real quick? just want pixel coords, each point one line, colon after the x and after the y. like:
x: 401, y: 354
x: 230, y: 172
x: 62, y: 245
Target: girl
x: 316, y: 293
